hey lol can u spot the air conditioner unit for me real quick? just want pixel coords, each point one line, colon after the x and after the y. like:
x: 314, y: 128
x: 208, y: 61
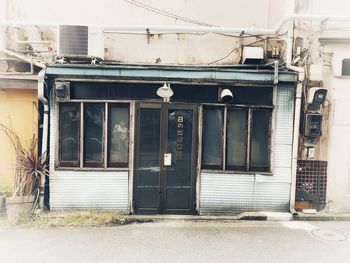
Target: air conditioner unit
x: 80, y: 41
x: 62, y: 91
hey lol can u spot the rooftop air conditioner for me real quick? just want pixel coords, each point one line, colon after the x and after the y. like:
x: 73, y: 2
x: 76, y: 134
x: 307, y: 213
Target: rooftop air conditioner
x: 80, y: 41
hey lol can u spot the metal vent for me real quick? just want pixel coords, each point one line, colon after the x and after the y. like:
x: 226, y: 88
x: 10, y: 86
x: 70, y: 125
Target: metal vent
x: 80, y: 41
x: 73, y: 40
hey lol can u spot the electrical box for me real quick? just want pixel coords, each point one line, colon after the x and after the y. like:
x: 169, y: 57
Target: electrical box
x: 62, y: 91
x: 313, y: 125
x: 316, y: 72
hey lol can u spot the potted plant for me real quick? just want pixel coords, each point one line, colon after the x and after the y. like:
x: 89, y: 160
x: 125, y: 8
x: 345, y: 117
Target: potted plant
x: 29, y: 168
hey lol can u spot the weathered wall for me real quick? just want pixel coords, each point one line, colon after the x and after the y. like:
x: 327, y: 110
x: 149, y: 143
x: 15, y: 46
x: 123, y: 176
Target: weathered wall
x: 339, y: 131
x: 159, y: 48
x: 18, y: 111
x: 334, y: 145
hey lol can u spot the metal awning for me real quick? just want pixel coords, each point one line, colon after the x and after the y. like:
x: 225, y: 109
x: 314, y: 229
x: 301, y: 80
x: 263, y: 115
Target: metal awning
x: 176, y: 73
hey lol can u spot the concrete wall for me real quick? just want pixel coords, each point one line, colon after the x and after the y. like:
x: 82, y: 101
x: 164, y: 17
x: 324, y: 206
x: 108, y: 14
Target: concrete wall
x: 338, y: 192
x: 158, y: 48
x: 334, y: 145
x: 18, y: 111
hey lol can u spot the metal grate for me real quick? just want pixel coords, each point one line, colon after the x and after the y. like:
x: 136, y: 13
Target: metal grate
x: 73, y: 40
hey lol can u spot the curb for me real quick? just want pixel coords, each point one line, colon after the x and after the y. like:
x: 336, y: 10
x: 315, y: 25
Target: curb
x: 316, y: 217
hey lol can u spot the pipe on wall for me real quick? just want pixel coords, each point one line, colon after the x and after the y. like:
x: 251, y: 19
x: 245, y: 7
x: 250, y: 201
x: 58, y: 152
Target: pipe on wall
x: 41, y: 97
x: 193, y: 29
x: 23, y: 58
x: 297, y: 110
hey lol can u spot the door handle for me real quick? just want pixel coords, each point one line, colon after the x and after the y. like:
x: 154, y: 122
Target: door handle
x: 167, y: 159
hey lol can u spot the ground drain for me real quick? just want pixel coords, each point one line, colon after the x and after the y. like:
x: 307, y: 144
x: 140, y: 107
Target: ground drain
x: 328, y: 235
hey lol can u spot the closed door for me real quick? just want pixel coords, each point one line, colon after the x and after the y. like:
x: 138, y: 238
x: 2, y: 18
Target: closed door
x: 165, y: 159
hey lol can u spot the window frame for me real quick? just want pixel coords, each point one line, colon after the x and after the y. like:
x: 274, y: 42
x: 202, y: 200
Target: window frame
x: 106, y: 120
x: 73, y: 164
x: 209, y: 166
x: 248, y: 167
x: 111, y: 164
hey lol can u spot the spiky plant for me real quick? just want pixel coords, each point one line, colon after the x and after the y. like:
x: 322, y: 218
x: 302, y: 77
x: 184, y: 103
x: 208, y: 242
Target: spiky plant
x: 30, y: 166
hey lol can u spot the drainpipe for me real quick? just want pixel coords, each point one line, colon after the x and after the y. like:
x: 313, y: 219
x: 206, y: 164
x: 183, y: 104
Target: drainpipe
x: 23, y: 58
x: 41, y: 97
x: 297, y: 110
x: 297, y: 104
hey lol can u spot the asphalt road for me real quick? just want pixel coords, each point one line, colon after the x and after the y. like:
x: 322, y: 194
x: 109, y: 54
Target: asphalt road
x: 179, y: 241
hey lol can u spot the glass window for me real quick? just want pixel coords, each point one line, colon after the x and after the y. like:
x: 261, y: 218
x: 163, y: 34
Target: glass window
x: 243, y: 95
x: 236, y: 143
x: 242, y: 124
x: 93, y: 134
x: 346, y: 67
x: 260, y: 140
x: 118, y: 131
x: 212, y: 137
x: 69, y: 134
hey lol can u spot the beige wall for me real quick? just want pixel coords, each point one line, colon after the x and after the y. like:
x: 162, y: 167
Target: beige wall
x: 159, y: 48
x: 18, y: 111
x: 334, y: 145
x: 223, y: 12
x: 338, y: 191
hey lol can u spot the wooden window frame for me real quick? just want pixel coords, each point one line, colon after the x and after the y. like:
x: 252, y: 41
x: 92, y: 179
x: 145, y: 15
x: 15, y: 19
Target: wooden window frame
x: 68, y: 163
x: 247, y: 167
x: 81, y: 163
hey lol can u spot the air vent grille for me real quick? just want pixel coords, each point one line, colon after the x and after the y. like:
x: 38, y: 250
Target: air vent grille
x: 73, y: 40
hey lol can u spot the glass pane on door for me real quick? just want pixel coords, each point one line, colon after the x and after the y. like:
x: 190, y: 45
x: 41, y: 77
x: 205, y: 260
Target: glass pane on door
x: 149, y: 160
x: 179, y: 172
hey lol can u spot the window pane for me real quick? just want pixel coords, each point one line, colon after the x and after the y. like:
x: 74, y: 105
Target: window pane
x: 69, y: 133
x: 85, y: 90
x: 243, y: 95
x: 118, y: 135
x: 212, y: 137
x: 260, y: 140
x: 93, y: 134
x: 237, y: 138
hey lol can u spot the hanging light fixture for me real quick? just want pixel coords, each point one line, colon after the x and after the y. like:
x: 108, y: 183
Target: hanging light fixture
x: 226, y: 95
x: 165, y: 92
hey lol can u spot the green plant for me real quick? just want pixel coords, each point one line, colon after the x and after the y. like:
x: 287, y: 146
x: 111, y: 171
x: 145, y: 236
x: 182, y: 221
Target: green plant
x: 30, y: 166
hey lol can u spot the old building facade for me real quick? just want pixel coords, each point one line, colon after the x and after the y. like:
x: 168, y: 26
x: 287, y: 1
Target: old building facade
x: 117, y: 142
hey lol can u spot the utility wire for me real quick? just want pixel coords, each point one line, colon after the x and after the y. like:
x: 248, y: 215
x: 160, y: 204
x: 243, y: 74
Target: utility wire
x: 166, y: 13
x: 233, y: 50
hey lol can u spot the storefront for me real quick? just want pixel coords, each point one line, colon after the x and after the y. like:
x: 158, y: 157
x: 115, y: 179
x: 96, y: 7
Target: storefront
x: 116, y: 145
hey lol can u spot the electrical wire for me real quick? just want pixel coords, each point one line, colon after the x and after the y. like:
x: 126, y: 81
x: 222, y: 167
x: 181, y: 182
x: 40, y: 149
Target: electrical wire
x: 186, y: 19
x: 233, y: 50
x: 166, y: 13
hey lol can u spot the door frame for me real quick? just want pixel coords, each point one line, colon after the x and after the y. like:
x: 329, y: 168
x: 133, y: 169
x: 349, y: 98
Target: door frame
x: 164, y: 107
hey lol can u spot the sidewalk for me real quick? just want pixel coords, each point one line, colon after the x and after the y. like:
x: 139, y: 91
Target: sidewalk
x: 323, y: 216
x: 105, y: 219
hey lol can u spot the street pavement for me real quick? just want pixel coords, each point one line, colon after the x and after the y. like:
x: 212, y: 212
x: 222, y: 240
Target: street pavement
x: 182, y: 241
